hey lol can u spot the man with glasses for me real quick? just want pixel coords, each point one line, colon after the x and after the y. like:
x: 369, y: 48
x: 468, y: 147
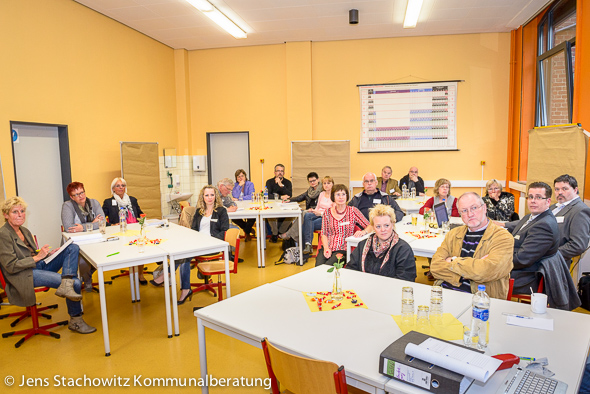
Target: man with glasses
x: 536, y: 236
x: 478, y: 253
x: 370, y: 197
x: 284, y: 189
x: 413, y: 180
x: 573, y: 218
x: 225, y: 187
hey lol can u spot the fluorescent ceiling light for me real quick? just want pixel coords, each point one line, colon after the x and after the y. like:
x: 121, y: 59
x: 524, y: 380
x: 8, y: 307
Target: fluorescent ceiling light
x: 412, y: 13
x: 218, y: 17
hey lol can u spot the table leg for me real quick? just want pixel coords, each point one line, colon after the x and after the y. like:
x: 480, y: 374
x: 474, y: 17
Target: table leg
x: 174, y: 296
x: 227, y: 285
x: 263, y: 242
x: 136, y: 281
x: 167, y: 292
x: 132, y: 283
x: 103, y: 313
x: 258, y: 239
x: 202, y: 354
x: 299, y: 218
x: 348, y: 248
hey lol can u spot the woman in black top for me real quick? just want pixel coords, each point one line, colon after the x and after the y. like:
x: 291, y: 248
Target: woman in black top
x: 384, y: 253
x: 500, y: 205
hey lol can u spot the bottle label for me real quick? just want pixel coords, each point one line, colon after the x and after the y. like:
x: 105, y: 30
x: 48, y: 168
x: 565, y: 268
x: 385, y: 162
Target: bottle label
x: 481, y: 314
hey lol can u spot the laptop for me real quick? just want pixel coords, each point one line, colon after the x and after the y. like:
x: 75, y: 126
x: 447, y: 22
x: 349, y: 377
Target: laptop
x: 440, y: 210
x: 521, y: 380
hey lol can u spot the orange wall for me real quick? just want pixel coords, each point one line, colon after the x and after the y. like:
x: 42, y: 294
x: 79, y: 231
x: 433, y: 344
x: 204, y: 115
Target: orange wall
x: 66, y: 64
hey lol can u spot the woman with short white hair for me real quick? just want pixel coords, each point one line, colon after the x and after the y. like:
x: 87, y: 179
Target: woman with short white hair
x: 500, y: 204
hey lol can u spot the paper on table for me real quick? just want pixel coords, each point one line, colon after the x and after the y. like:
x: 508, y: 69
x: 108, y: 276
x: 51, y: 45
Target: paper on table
x: 455, y: 358
x: 289, y: 206
x: 87, y: 238
x: 533, y: 322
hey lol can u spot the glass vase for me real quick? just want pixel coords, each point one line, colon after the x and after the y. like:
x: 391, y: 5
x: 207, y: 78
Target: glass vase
x: 337, y: 286
x: 142, y: 240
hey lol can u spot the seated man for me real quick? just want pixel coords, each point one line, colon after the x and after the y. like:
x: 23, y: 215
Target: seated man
x: 413, y: 180
x: 478, y: 253
x: 573, y: 218
x: 535, y: 236
x: 370, y: 197
x: 387, y: 184
x: 283, y: 188
x: 225, y: 187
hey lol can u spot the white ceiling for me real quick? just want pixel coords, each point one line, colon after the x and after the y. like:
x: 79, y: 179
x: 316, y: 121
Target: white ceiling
x: 179, y: 25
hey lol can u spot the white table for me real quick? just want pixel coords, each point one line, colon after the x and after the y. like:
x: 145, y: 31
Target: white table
x: 244, y: 212
x: 275, y: 212
x: 411, y: 205
x: 125, y: 257
x: 356, y: 336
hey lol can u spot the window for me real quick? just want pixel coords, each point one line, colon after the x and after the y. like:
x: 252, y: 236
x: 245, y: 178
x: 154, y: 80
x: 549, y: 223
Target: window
x: 555, y: 65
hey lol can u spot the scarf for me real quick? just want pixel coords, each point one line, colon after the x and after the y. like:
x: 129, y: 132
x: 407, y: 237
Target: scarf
x: 379, y: 248
x: 84, y: 212
x: 314, y: 193
x: 125, y: 203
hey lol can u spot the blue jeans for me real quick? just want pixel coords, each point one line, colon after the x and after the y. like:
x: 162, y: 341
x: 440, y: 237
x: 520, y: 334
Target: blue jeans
x: 46, y: 274
x: 311, y: 223
x: 585, y: 384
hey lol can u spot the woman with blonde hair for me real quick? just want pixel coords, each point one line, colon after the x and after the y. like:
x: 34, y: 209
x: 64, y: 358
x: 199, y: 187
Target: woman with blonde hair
x: 210, y: 218
x: 384, y: 252
x: 121, y: 201
x: 500, y: 204
x: 442, y: 193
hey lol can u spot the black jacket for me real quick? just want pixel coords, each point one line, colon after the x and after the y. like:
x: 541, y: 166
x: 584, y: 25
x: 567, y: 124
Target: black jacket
x: 401, y: 263
x: 111, y: 211
x: 382, y: 197
x: 219, y: 222
x: 273, y: 187
x: 406, y: 180
x: 309, y: 202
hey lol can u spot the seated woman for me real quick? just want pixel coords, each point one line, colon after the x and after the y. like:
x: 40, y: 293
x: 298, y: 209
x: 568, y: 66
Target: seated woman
x: 500, y: 204
x: 121, y: 201
x: 210, y: 218
x: 384, y: 252
x: 442, y: 192
x: 24, y: 268
x: 338, y: 223
x: 74, y: 214
x: 243, y: 189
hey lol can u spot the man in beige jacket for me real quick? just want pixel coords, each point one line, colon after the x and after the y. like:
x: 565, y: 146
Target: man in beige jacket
x: 478, y: 253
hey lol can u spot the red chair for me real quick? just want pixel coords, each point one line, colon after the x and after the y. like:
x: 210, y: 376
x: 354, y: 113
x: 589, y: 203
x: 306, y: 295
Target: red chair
x: 215, y: 265
x: 33, y: 312
x: 300, y: 375
x: 510, y: 288
x: 524, y: 297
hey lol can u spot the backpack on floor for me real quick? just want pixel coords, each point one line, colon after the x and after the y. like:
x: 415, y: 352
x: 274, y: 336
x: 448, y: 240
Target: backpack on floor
x: 584, y: 290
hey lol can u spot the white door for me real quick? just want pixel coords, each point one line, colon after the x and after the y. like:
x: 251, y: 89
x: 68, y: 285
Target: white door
x: 227, y: 153
x: 39, y: 180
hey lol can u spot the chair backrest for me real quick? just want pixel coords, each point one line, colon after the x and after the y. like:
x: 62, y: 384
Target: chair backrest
x: 302, y: 375
x: 183, y: 205
x: 186, y: 217
x: 510, y: 288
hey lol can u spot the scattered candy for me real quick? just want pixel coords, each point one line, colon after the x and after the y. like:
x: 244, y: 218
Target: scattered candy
x: 354, y: 301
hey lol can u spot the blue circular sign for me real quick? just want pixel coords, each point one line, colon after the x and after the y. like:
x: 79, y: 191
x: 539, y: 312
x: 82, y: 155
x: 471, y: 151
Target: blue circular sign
x: 14, y: 135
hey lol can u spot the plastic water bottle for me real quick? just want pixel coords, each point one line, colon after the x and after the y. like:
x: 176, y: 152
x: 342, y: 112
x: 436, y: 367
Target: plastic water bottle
x: 265, y: 194
x: 241, y: 198
x: 122, y: 220
x: 480, y: 316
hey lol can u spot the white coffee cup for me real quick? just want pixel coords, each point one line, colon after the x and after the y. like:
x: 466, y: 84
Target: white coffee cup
x: 539, y: 303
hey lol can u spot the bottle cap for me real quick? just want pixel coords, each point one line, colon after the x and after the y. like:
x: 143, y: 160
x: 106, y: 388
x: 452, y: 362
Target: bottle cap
x: 481, y: 287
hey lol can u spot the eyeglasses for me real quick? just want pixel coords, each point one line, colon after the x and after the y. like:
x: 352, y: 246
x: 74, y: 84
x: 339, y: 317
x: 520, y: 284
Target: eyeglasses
x: 473, y: 209
x: 78, y: 194
x: 536, y: 198
x: 369, y: 181
x: 493, y: 189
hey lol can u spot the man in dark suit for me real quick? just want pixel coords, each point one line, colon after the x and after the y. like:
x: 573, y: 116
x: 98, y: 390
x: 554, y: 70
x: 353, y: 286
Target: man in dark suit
x: 573, y: 218
x: 535, y: 236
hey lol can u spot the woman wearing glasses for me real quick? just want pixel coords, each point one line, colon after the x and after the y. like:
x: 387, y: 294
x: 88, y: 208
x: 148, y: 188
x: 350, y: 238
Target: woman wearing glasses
x: 384, y: 252
x: 74, y: 214
x: 121, y: 201
x: 442, y: 193
x: 500, y: 204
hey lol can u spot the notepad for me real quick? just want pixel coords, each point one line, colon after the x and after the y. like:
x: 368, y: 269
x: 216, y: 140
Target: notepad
x: 533, y: 322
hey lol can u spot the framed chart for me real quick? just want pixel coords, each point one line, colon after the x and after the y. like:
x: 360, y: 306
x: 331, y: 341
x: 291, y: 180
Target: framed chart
x: 408, y: 117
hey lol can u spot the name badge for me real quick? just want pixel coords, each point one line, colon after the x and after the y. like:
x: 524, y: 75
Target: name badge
x: 213, y: 220
x: 560, y: 219
x: 344, y: 224
x: 114, y: 203
x: 517, y: 237
x: 392, y: 190
x: 376, y: 201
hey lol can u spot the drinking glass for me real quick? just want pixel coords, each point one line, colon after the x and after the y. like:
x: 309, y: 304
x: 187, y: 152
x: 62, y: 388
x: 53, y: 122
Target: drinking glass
x: 102, y: 226
x: 446, y: 227
x: 470, y: 337
x: 414, y: 219
x: 413, y: 193
x: 407, y: 306
x: 436, y: 305
x: 166, y: 223
x: 89, y: 227
x: 422, y: 315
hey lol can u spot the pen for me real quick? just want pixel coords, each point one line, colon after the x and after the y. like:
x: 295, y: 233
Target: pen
x: 528, y: 358
x: 38, y: 250
x: 519, y: 316
x: 112, y: 254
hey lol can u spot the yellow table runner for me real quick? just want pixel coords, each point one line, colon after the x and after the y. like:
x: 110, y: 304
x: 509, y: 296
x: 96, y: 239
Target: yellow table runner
x: 451, y: 329
x: 321, y: 301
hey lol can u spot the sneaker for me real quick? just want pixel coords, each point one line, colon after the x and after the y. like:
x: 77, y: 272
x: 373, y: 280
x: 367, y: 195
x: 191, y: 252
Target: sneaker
x: 308, y: 249
x: 78, y: 325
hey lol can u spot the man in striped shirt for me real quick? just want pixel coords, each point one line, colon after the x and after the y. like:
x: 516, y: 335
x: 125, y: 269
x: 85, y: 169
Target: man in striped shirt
x: 478, y: 253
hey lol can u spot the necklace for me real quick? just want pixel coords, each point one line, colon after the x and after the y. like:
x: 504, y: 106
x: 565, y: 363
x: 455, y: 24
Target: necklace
x: 339, y: 213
